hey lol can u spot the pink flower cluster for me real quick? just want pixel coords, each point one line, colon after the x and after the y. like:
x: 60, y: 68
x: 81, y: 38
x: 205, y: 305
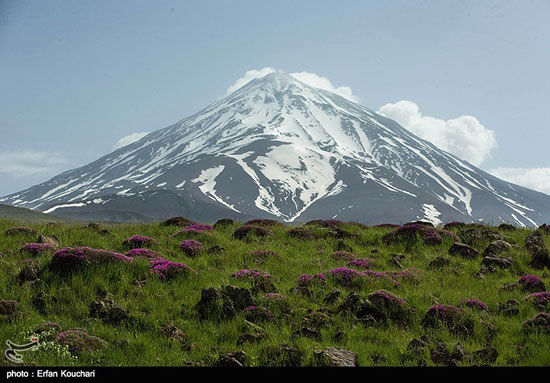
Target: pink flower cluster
x: 250, y: 274
x: 529, y: 280
x: 191, y: 248
x: 541, y: 298
x: 360, y: 263
x: 166, y: 269
x: 307, y: 279
x: 198, y: 228
x: 69, y: 257
x: 474, y: 304
x: 36, y: 249
x: 387, y: 297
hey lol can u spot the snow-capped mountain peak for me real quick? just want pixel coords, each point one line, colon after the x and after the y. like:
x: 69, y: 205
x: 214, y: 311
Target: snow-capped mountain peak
x: 279, y: 148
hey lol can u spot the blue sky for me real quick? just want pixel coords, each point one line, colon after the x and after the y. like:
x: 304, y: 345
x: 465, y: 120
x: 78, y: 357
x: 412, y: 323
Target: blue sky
x: 77, y: 76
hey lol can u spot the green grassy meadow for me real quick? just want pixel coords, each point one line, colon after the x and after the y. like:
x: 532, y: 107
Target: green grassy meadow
x: 152, y: 303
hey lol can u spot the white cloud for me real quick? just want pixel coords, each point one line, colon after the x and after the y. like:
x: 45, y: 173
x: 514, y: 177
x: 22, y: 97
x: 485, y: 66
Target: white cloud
x: 464, y: 136
x: 249, y: 76
x: 532, y: 178
x: 23, y: 163
x: 308, y: 78
x: 321, y: 82
x: 130, y: 139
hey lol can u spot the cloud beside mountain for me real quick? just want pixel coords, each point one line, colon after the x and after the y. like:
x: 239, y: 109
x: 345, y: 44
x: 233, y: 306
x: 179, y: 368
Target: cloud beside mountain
x: 464, y: 136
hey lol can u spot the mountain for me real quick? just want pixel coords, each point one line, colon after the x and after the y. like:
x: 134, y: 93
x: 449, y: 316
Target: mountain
x: 278, y: 148
x: 26, y: 215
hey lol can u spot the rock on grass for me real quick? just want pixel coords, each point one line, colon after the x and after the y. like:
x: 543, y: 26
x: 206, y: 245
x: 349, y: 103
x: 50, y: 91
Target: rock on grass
x: 334, y: 357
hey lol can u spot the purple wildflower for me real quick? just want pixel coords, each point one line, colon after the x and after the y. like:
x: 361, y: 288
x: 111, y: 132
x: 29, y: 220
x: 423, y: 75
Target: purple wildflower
x: 386, y: 297
x: 344, y: 274
x: 191, y: 248
x: 78, y: 340
x: 245, y: 231
x: 261, y: 255
x: 20, y: 230
x: 250, y: 274
x: 138, y: 241
x: 307, y: 279
x: 69, y: 258
x: 36, y: 249
x: 474, y: 304
x: 531, y: 283
x: 166, y: 269
x: 541, y: 298
x: 360, y: 263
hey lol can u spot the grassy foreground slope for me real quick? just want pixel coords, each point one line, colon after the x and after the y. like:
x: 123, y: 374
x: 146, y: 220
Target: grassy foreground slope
x: 131, y: 316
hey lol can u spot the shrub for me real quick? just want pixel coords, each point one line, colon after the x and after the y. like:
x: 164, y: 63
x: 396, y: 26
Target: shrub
x: 474, y: 304
x: 178, y: 221
x: 36, y: 249
x: 138, y: 241
x: 191, y: 248
x: 70, y: 258
x: 531, y: 283
x: 246, y: 231
x: 360, y: 263
x: 23, y: 230
x: 78, y: 341
x: 166, y: 269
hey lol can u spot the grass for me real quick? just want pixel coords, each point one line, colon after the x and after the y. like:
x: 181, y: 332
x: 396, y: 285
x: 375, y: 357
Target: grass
x: 157, y: 302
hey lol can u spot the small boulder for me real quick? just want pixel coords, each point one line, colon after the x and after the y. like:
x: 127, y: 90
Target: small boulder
x: 52, y: 239
x: 441, y: 355
x: 332, y: 297
x: 490, y: 262
x: 463, y: 250
x: 540, y: 322
x: 29, y: 272
x: 540, y: 260
x: 509, y: 308
x: 108, y: 311
x: 534, y: 242
x: 281, y: 356
x: 240, y: 297
x: 334, y: 357
x: 496, y: 247
x: 439, y: 262
x: 232, y: 359
x: 173, y: 333
x: 487, y: 355
x: 9, y: 308
x: 351, y: 304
